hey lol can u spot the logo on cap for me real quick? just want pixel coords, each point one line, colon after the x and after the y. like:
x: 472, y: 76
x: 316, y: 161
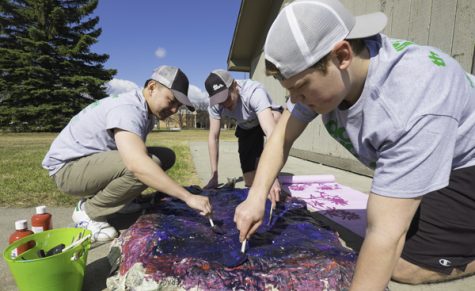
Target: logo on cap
x: 216, y: 87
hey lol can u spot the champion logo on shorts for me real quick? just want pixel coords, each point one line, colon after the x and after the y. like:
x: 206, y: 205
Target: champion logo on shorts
x: 445, y: 262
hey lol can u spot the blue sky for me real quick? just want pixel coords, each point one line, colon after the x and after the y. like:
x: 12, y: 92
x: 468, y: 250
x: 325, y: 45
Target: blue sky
x: 141, y: 35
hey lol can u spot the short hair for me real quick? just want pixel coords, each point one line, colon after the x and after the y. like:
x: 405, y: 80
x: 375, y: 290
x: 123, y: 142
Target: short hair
x: 148, y: 81
x: 357, y: 45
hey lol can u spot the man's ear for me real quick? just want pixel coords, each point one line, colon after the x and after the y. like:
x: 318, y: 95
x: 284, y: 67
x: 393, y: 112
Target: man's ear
x: 152, y: 85
x: 149, y: 83
x: 344, y: 54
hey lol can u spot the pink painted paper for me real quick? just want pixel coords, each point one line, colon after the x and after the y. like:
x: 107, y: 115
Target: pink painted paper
x: 337, y: 202
x: 306, y: 179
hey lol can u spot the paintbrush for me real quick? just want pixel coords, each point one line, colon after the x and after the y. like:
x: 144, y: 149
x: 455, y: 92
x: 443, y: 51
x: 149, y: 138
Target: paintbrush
x: 215, y: 228
x: 77, y: 242
x: 270, y: 215
x: 243, y: 246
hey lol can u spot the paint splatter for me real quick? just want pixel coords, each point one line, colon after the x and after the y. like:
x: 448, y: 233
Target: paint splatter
x: 294, y: 252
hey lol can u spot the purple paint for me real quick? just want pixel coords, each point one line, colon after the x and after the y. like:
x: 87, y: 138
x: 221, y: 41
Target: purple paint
x: 294, y: 252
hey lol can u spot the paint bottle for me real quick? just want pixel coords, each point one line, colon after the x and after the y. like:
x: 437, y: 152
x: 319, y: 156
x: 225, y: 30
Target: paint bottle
x: 21, y: 230
x: 41, y: 221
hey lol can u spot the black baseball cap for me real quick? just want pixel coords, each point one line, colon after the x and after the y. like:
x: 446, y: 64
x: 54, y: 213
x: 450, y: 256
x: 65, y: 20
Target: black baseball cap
x: 217, y: 84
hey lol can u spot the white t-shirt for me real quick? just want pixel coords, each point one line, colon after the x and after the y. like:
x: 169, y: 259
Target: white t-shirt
x: 253, y: 99
x: 414, y: 121
x: 92, y: 130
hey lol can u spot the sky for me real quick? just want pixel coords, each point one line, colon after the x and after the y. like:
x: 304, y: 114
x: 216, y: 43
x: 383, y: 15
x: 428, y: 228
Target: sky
x: 141, y: 35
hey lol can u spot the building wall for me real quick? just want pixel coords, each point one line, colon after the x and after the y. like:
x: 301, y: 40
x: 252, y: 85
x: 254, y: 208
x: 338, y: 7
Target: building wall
x: 446, y: 24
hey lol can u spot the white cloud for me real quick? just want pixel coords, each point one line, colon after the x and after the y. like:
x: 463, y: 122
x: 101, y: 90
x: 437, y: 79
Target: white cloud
x: 160, y: 53
x: 198, y: 98
x: 117, y: 86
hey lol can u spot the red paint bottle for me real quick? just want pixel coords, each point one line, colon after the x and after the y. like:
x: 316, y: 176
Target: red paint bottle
x: 21, y: 230
x: 41, y: 221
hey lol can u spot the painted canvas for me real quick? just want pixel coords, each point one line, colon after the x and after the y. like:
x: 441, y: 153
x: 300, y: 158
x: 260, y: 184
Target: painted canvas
x: 174, y: 248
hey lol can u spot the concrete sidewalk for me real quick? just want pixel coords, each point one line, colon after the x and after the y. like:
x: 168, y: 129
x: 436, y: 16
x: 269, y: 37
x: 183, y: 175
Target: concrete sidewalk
x: 98, y: 266
x: 229, y: 167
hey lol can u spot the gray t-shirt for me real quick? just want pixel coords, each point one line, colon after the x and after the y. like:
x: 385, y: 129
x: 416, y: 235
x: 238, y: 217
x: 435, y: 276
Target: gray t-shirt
x: 414, y: 121
x: 92, y: 130
x: 253, y: 99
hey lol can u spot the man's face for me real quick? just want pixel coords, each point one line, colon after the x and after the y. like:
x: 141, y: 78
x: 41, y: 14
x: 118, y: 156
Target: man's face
x: 163, y: 104
x: 321, y: 92
x: 231, y: 101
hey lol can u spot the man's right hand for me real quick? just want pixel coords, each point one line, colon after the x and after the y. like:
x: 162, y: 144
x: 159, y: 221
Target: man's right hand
x: 213, y: 182
x: 199, y: 203
x: 248, y: 217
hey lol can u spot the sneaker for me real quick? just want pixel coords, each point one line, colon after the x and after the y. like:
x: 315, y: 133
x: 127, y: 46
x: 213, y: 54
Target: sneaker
x: 131, y: 207
x: 101, y: 230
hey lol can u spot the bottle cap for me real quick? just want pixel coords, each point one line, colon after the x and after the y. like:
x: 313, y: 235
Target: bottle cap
x: 21, y: 224
x: 41, y: 209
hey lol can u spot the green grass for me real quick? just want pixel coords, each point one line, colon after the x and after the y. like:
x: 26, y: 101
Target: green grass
x: 24, y: 183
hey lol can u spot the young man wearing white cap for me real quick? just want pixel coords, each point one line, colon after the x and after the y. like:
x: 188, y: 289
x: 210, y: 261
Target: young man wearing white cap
x: 405, y: 110
x: 101, y: 153
x: 250, y: 105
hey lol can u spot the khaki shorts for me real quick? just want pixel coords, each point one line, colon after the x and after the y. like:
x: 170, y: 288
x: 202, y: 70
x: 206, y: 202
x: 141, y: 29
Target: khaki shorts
x: 105, y: 180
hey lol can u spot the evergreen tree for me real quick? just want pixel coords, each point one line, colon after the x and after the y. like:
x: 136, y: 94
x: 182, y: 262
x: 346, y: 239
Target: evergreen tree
x: 48, y: 72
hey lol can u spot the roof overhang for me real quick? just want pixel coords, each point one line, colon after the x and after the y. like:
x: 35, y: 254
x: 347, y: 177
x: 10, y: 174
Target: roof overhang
x: 251, y: 26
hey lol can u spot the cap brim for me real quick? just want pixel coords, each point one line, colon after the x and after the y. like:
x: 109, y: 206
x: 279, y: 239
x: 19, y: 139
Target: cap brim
x: 218, y: 97
x: 183, y: 99
x: 368, y: 25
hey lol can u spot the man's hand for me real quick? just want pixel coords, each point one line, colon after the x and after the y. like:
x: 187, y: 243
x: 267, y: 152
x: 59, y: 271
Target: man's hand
x: 274, y: 193
x: 213, y: 182
x: 200, y: 203
x: 248, y: 217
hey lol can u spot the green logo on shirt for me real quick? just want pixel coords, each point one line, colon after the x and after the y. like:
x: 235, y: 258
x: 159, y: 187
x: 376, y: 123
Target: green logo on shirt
x: 339, y: 134
x: 436, y: 59
x: 400, y: 45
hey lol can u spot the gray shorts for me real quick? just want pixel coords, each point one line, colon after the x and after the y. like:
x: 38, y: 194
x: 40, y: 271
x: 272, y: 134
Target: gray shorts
x: 442, y: 233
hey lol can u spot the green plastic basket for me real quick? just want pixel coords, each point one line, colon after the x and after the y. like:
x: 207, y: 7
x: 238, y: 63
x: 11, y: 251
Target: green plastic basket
x: 63, y: 271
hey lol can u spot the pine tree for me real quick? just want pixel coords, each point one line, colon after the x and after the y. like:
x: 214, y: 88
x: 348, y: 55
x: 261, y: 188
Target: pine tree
x: 48, y: 72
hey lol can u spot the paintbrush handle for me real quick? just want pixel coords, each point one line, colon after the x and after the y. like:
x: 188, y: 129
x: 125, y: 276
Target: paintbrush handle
x: 243, y: 246
x: 270, y: 215
x: 211, y: 222
x: 79, y: 241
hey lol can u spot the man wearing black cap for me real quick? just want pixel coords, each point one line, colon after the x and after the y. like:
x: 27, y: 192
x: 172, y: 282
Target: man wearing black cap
x: 250, y: 105
x: 101, y: 153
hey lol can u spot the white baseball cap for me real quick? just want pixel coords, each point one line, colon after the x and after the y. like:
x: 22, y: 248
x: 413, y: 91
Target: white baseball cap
x: 307, y: 30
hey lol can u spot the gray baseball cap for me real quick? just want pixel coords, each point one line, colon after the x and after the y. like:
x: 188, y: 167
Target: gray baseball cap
x: 306, y: 30
x: 174, y: 79
x: 217, y: 84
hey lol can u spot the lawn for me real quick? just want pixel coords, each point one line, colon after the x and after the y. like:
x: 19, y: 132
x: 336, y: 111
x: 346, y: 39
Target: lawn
x: 24, y: 183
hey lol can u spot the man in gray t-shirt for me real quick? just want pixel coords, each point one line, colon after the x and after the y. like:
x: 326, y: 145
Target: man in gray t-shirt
x: 405, y: 110
x: 247, y: 102
x: 101, y: 153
